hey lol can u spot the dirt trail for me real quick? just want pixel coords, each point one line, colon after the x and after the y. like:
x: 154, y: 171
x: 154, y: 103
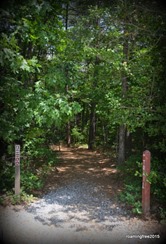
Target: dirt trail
x: 79, y: 206
x: 88, y: 165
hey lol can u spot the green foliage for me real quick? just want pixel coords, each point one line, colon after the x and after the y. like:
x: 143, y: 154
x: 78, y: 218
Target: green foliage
x: 162, y: 215
x: 78, y: 136
x: 133, y: 166
x: 132, y: 192
x: 131, y: 196
x: 6, y: 176
x: 157, y: 180
x: 30, y: 181
x: 38, y: 164
x: 33, y: 99
x: 10, y: 198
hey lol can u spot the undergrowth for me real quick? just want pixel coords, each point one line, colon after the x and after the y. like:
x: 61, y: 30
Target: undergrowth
x: 132, y: 191
x: 9, y: 198
x: 33, y: 172
x: 131, y: 194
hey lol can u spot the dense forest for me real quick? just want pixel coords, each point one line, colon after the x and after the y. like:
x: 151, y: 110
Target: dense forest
x: 83, y: 72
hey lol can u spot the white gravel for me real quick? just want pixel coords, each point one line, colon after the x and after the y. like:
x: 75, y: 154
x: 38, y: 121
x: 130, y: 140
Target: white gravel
x: 78, y: 210
x: 75, y: 213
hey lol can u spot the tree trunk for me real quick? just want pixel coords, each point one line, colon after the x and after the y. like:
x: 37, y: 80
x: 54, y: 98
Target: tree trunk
x: 68, y: 139
x: 128, y: 144
x: 122, y: 128
x: 105, y: 139
x: 68, y: 134
x: 121, y: 144
x: 92, y: 127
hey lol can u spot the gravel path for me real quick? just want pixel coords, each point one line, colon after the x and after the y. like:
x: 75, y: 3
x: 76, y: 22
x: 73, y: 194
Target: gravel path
x: 79, y: 210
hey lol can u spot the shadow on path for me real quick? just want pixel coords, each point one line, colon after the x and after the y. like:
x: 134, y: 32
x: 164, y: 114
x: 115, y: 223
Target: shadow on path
x: 85, y: 196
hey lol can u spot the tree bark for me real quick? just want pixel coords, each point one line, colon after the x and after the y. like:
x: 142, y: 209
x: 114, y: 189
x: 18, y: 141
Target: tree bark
x: 121, y: 144
x: 128, y: 144
x: 122, y: 128
x: 92, y: 127
x: 69, y: 134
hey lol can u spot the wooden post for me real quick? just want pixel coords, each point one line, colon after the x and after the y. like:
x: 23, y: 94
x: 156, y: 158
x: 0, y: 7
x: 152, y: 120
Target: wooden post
x: 145, y: 183
x: 17, y: 169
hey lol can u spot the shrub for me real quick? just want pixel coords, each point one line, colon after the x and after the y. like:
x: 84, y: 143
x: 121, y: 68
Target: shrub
x: 10, y: 198
x: 6, y: 176
x: 131, y: 196
x: 132, y: 193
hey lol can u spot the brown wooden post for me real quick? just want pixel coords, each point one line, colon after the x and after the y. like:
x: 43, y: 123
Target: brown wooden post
x: 17, y: 169
x: 145, y: 183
